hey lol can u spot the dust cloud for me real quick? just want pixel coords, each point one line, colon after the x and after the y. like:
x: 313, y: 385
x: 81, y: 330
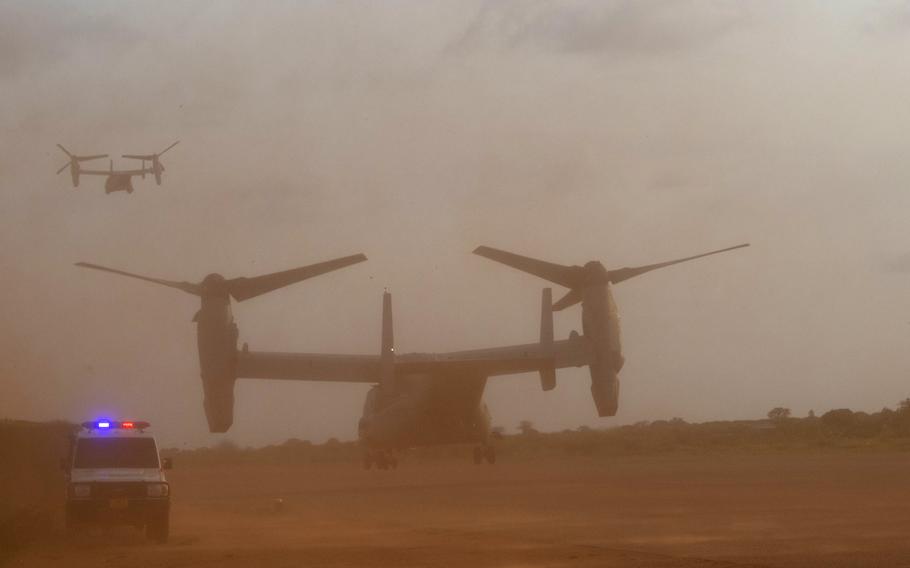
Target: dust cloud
x: 629, y: 132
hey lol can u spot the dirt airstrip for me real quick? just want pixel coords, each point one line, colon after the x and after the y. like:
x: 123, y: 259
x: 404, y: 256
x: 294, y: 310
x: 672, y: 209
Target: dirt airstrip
x: 787, y: 509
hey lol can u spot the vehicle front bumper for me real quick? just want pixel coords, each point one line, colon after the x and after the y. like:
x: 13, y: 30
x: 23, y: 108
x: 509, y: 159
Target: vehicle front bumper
x: 116, y: 503
x: 107, y: 511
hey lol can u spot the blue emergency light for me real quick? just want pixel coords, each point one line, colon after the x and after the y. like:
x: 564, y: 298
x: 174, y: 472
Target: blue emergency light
x: 105, y: 424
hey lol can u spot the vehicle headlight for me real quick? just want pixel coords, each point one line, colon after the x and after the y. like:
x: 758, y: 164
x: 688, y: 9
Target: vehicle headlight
x: 157, y: 490
x: 82, y: 490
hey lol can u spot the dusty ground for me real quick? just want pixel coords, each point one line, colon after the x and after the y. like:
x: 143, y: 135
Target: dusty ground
x: 843, y: 509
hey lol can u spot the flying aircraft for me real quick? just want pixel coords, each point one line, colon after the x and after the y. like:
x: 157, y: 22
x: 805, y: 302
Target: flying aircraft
x: 418, y: 398
x: 117, y: 180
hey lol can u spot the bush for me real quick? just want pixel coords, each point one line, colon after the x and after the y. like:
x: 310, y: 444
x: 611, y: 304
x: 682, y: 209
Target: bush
x: 838, y: 422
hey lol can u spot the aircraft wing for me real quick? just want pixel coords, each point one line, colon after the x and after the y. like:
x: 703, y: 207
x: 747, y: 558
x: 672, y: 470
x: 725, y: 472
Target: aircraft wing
x: 366, y: 368
x: 308, y: 367
x: 497, y: 361
x: 115, y: 172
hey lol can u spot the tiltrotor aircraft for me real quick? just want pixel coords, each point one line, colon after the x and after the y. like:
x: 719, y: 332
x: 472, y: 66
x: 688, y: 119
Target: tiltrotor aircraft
x: 416, y: 399
x: 117, y: 180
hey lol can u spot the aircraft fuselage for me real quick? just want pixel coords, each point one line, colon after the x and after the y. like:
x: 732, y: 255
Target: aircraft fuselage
x: 426, y: 410
x: 118, y: 182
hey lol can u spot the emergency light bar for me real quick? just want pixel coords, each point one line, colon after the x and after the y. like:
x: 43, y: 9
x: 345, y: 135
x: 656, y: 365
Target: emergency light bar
x: 112, y: 425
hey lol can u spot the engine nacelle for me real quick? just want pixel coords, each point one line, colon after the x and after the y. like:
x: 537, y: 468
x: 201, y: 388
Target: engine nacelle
x: 605, y: 389
x: 600, y: 321
x: 218, y: 402
x: 216, y: 335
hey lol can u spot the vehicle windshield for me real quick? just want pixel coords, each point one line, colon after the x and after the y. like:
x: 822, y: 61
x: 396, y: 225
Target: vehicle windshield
x: 95, y: 453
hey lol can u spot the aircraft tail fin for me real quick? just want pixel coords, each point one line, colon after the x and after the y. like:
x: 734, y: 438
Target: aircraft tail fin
x: 548, y: 371
x: 387, y: 348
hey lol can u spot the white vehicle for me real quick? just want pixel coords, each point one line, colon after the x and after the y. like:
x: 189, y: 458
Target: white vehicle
x: 116, y: 477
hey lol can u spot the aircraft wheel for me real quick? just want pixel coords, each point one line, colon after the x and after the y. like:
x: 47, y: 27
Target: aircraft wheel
x: 367, y: 461
x: 489, y: 454
x: 478, y: 455
x: 393, y: 462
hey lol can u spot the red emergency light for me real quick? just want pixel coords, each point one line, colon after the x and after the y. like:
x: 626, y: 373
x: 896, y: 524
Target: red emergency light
x: 113, y: 425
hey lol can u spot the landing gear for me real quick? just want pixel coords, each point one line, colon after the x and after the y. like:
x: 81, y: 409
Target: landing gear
x: 483, y: 453
x: 381, y: 459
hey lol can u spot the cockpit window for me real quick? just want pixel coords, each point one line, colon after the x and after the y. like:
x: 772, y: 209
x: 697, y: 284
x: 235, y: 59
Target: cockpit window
x: 94, y: 453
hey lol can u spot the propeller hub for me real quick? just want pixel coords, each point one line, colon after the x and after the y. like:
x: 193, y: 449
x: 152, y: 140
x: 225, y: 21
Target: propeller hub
x: 595, y: 274
x: 214, y: 285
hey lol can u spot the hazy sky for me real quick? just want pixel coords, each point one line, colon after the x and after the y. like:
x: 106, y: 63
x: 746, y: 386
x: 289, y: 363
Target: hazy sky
x: 629, y: 132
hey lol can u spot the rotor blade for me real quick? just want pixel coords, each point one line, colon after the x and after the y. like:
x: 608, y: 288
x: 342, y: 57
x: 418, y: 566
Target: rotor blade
x: 187, y: 287
x: 245, y: 288
x: 168, y: 148
x: 95, y: 157
x: 569, y: 300
x: 63, y: 167
x: 148, y: 156
x: 621, y: 274
x: 65, y: 151
x: 568, y: 276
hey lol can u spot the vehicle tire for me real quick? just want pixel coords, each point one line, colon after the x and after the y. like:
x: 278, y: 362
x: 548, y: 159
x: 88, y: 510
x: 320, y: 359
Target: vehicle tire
x: 478, y: 455
x: 158, y: 528
x: 71, y: 523
x: 490, y: 454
